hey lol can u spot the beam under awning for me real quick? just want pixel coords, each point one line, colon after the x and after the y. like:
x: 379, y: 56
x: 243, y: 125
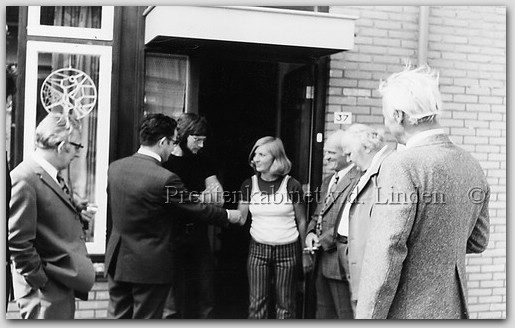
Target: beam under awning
x: 252, y: 25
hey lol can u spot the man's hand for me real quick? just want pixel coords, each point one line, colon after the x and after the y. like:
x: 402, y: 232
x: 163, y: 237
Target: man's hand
x: 307, y: 263
x: 86, y: 209
x: 88, y: 213
x: 235, y: 217
x: 312, y: 243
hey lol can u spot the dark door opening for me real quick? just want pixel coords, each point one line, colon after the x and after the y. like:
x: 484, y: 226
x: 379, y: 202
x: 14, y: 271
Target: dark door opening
x: 239, y: 101
x: 244, y: 101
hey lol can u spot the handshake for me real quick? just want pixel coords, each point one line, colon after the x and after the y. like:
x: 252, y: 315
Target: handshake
x: 235, y: 217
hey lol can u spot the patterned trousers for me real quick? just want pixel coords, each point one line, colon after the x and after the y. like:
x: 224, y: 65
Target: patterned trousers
x: 280, y: 263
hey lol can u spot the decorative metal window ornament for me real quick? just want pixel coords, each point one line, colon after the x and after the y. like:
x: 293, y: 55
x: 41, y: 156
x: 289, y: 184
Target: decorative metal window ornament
x: 69, y: 91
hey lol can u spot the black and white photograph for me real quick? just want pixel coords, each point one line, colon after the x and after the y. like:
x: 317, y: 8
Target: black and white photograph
x: 150, y: 150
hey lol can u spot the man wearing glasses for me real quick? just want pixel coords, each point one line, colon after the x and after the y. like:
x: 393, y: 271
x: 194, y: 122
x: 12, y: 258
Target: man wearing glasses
x: 145, y: 203
x: 46, y: 239
x: 193, y: 294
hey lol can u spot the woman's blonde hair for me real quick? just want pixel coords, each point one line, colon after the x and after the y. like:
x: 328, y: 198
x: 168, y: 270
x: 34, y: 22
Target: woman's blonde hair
x: 281, y: 164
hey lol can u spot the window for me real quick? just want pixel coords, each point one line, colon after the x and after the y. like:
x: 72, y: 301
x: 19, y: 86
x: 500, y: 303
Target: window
x: 166, y: 78
x: 81, y: 22
x: 88, y: 173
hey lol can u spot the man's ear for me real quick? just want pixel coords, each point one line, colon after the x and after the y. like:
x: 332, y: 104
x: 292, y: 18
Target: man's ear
x: 60, y: 147
x: 398, y: 116
x: 162, y: 141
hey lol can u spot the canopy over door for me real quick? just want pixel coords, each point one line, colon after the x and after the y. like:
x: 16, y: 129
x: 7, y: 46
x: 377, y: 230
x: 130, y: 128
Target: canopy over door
x: 306, y: 34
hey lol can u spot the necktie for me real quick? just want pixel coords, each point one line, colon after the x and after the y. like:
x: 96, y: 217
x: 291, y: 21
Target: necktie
x: 330, y: 195
x: 63, y: 185
x: 327, y: 200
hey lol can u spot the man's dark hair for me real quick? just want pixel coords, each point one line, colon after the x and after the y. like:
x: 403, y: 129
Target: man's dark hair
x: 190, y: 124
x: 155, y: 126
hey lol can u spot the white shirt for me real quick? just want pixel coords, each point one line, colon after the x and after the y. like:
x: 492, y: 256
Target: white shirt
x: 343, y: 228
x: 273, y: 215
x: 423, y: 135
x: 49, y: 168
x: 150, y: 153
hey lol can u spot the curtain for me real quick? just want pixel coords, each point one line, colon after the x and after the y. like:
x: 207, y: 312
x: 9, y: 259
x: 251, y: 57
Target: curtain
x: 82, y: 170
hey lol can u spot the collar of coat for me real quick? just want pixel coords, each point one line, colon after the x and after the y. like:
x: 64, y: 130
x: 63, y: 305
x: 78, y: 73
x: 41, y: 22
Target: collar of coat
x: 50, y: 182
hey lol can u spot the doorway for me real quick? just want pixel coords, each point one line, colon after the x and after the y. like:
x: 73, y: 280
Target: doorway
x: 243, y: 101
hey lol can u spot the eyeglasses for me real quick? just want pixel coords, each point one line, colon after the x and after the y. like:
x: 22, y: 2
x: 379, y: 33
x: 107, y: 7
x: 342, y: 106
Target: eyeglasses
x: 198, y: 140
x: 76, y: 145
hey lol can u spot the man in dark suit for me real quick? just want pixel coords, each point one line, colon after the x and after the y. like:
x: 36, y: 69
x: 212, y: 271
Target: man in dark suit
x: 332, y: 287
x: 431, y: 209
x: 46, y: 240
x: 144, y: 199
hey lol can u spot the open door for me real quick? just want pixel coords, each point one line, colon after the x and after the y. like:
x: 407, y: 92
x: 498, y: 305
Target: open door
x: 296, y: 121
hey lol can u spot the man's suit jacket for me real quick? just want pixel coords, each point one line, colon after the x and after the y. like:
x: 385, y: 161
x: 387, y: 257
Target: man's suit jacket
x: 144, y: 199
x: 359, y: 219
x: 414, y: 262
x: 46, y: 240
x: 328, y: 261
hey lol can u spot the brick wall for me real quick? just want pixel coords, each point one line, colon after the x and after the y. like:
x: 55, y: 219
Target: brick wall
x: 468, y: 46
x: 94, y: 308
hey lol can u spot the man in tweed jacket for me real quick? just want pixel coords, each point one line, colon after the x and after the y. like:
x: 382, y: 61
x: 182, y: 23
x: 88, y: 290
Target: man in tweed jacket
x: 431, y: 209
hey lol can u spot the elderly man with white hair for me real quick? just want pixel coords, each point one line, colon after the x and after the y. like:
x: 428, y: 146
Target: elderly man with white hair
x: 332, y: 286
x: 431, y: 209
x: 364, y: 146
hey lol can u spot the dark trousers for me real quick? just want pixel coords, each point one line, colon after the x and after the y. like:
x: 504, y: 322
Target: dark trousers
x: 278, y: 262
x: 192, y: 296
x: 135, y: 301
x: 333, y: 298
x: 54, y: 301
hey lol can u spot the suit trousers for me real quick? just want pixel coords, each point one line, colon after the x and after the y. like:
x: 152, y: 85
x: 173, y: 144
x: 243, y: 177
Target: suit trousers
x: 54, y: 301
x: 280, y: 263
x: 136, y: 301
x: 192, y: 296
x: 333, y: 298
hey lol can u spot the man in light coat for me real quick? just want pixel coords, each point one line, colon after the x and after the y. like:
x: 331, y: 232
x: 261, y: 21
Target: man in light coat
x: 365, y: 148
x: 431, y: 209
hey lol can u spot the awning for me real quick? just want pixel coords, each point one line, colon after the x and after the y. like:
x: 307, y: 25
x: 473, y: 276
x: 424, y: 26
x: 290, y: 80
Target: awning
x: 251, y: 25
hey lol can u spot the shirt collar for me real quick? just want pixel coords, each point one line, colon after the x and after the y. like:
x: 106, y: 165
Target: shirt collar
x: 49, y: 168
x: 422, y: 135
x: 377, y: 156
x: 344, y: 171
x: 148, y: 152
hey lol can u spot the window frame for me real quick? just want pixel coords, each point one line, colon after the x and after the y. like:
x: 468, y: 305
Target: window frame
x: 105, y: 32
x: 34, y: 48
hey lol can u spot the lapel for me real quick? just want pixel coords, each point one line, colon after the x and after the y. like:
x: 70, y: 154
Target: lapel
x: 341, y: 187
x: 372, y: 171
x: 51, y: 183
